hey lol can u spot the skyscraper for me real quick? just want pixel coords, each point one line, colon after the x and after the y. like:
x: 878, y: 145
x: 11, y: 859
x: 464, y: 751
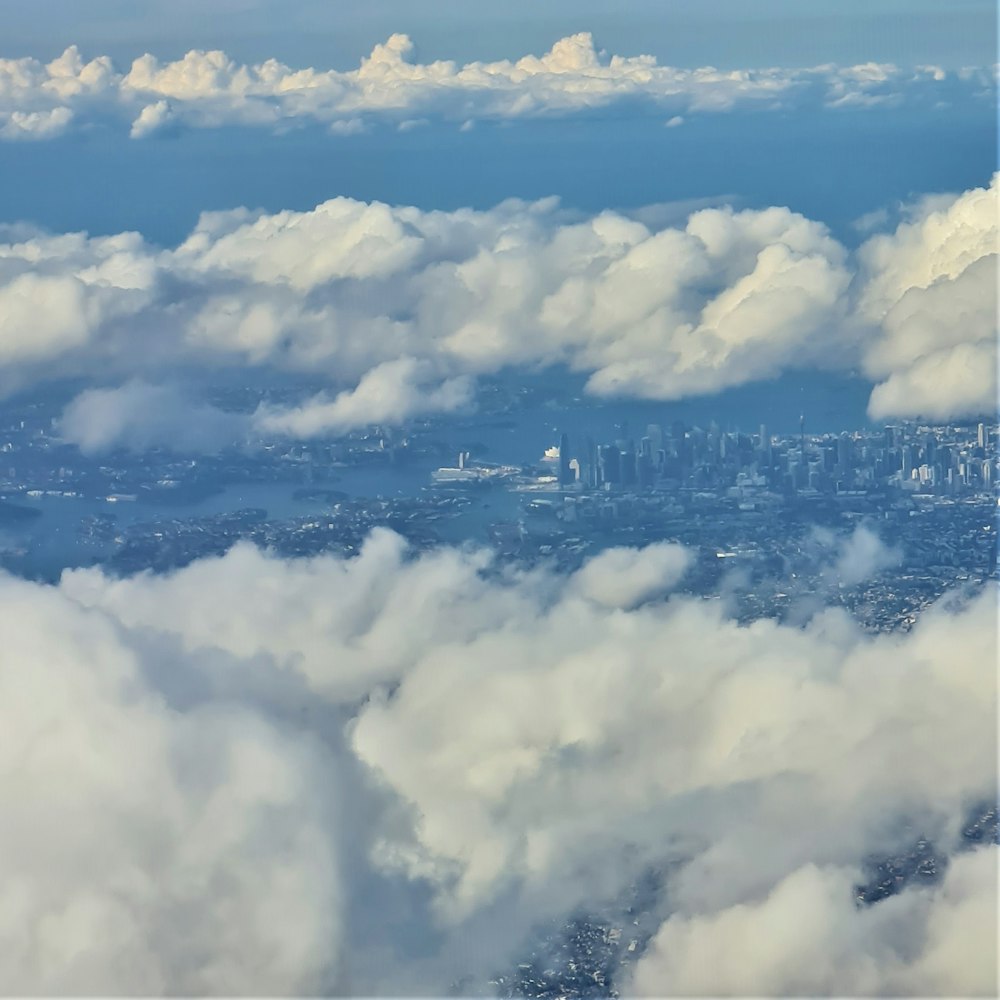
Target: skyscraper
x: 610, y: 458
x: 765, y: 453
x: 845, y: 452
x: 593, y: 473
x: 566, y: 474
x: 678, y: 437
x: 655, y: 434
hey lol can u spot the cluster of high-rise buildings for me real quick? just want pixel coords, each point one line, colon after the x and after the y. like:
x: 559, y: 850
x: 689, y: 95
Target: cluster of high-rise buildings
x: 951, y: 459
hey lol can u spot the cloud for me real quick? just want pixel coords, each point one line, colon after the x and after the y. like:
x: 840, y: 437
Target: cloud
x: 626, y: 578
x: 575, y: 735
x: 509, y: 744
x: 33, y: 125
x: 138, y: 416
x: 859, y: 556
x: 806, y: 937
x: 207, y: 89
x: 401, y: 309
x: 152, y: 118
x: 931, y: 286
x: 389, y: 393
x: 68, y: 296
x: 147, y: 849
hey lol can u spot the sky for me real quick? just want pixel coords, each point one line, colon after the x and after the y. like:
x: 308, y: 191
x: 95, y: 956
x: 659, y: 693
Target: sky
x: 605, y: 137
x: 375, y: 775
x: 725, y: 33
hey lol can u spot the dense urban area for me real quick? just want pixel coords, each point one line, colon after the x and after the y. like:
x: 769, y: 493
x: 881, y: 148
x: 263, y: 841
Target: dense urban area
x: 759, y: 510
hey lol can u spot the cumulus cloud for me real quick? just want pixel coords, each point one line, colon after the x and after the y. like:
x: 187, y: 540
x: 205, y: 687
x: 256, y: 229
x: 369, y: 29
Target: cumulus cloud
x: 69, y: 296
x: 388, y: 393
x: 352, y: 288
x: 525, y: 743
x: 152, y: 118
x: 401, y: 308
x: 209, y: 89
x: 29, y: 125
x: 576, y: 734
x: 931, y: 286
x: 806, y: 938
x: 626, y: 578
x: 147, y: 850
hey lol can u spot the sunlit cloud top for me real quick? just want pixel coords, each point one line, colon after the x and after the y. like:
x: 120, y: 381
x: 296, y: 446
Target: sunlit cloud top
x: 206, y: 89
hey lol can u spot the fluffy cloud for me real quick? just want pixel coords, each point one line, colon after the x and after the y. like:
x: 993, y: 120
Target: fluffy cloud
x: 403, y: 305
x: 806, y: 938
x: 626, y: 578
x: 388, y: 394
x: 932, y: 288
x: 69, y: 298
x: 208, y: 89
x: 854, y: 559
x: 401, y: 308
x: 146, y: 849
x: 29, y: 125
x: 669, y: 732
x: 522, y: 743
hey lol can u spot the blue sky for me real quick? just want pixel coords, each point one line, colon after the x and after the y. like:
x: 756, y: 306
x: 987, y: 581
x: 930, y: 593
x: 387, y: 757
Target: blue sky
x: 388, y: 775
x: 159, y: 186
x: 785, y: 159
x: 726, y: 33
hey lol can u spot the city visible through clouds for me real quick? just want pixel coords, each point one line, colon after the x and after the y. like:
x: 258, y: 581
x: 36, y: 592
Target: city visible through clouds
x: 499, y: 501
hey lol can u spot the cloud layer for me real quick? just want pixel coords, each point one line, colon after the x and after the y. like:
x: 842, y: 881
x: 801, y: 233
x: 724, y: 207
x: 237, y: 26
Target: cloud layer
x: 200, y: 755
x: 402, y: 308
x: 208, y: 89
x: 932, y: 288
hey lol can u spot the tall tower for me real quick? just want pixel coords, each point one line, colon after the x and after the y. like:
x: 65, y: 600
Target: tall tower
x: 802, y: 438
x: 766, y: 458
x: 566, y: 475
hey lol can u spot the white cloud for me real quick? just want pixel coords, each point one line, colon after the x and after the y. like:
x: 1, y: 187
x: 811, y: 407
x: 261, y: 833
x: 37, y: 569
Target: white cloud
x: 626, y: 578
x: 146, y: 849
x: 152, y: 118
x: 932, y: 288
x: 400, y: 308
x: 859, y: 556
x: 209, y: 89
x: 388, y: 394
x: 30, y: 125
x: 572, y: 734
x: 137, y: 416
x: 806, y: 938
x: 530, y: 741
x: 64, y: 296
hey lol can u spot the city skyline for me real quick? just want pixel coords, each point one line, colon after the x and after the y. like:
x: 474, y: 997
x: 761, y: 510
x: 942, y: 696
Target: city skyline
x: 499, y: 500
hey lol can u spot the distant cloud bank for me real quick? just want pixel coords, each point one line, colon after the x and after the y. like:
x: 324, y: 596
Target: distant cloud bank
x: 209, y: 89
x: 402, y: 308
